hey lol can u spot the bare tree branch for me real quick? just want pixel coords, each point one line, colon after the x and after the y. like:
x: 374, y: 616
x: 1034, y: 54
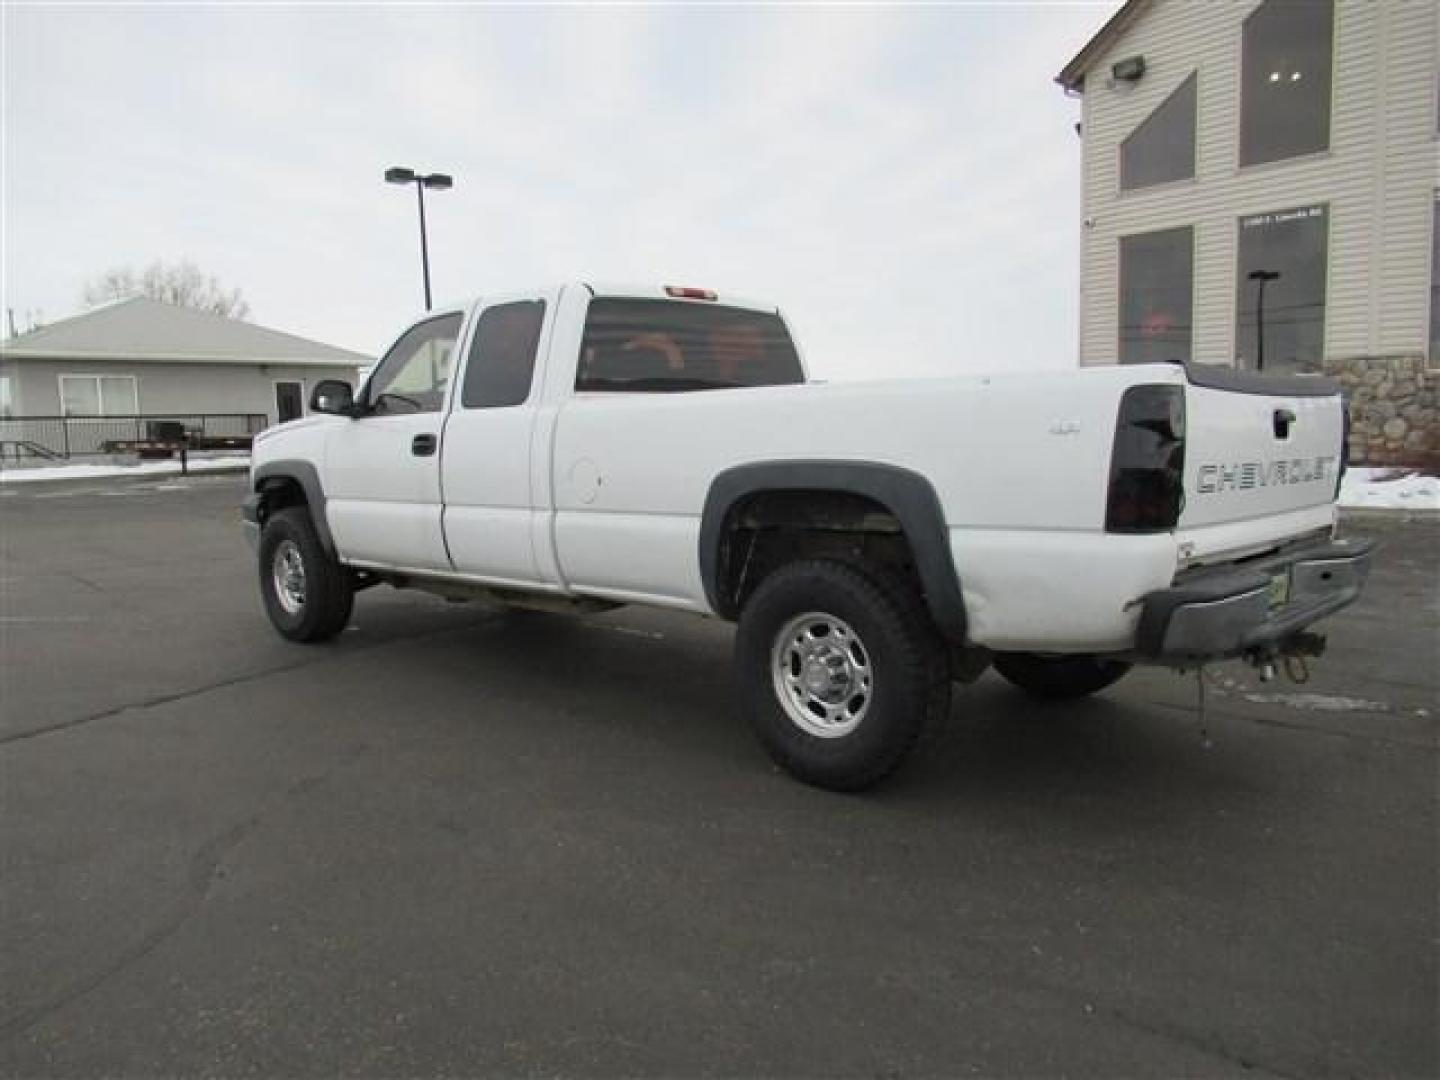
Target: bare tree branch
x: 179, y: 283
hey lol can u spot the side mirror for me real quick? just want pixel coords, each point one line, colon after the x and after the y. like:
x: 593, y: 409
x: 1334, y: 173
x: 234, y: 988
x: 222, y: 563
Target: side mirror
x: 333, y: 396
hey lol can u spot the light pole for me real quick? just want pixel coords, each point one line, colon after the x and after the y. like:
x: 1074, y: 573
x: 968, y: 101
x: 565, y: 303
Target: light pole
x: 1262, y: 276
x: 440, y: 182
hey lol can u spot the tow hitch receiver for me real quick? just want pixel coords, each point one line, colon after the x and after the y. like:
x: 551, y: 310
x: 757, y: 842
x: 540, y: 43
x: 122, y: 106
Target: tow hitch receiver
x: 1291, y: 653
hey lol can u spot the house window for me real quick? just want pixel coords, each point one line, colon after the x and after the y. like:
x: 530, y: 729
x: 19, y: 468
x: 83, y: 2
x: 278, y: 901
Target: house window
x: 1280, y: 290
x: 99, y: 395
x: 1156, y: 275
x: 7, y: 400
x: 1162, y: 148
x: 1285, y: 80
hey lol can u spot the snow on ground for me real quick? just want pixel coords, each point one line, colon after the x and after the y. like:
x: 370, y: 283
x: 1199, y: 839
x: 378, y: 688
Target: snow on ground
x: 1362, y: 489
x: 144, y: 468
x: 1389, y: 489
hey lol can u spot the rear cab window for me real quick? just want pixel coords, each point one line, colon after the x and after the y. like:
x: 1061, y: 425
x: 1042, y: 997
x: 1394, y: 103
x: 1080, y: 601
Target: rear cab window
x: 669, y: 346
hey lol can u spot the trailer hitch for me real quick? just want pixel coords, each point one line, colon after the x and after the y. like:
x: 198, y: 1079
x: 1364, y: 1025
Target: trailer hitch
x: 1291, y: 653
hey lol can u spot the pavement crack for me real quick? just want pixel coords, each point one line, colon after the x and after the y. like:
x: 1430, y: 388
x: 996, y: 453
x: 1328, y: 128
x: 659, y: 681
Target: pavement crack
x: 220, y: 684
x: 150, y: 703
x: 201, y: 874
x: 200, y: 877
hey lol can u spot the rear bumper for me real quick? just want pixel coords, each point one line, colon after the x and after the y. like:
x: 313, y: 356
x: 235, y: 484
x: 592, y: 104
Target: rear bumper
x: 1230, y: 611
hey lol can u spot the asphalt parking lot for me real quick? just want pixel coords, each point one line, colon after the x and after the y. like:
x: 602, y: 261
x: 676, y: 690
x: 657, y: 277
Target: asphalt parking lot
x: 458, y: 842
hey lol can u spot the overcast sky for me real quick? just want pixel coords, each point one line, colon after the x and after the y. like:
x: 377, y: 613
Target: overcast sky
x: 904, y: 182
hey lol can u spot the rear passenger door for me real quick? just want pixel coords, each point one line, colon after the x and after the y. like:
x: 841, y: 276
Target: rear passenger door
x: 492, y: 473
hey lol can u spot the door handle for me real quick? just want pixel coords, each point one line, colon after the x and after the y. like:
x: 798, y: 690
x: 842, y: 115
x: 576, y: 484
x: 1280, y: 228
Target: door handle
x: 423, y: 445
x: 1283, y: 419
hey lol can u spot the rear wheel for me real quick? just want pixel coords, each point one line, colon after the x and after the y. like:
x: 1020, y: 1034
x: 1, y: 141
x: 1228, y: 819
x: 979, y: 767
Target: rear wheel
x: 308, y: 594
x: 1059, y: 678
x: 840, y: 672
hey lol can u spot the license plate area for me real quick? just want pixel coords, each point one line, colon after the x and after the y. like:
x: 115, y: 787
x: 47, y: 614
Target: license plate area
x: 1279, y: 589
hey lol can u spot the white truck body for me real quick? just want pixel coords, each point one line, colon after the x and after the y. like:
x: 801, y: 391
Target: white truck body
x: 611, y: 495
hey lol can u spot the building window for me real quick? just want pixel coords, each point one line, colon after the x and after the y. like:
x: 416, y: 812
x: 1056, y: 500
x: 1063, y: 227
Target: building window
x: 7, y: 400
x: 1280, y: 290
x: 1285, y: 80
x: 1162, y: 148
x: 502, y: 356
x: 1156, y: 277
x: 1435, y: 282
x: 99, y: 395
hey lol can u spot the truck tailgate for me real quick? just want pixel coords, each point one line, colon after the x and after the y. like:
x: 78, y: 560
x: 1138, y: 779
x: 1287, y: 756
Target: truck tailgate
x: 1262, y: 459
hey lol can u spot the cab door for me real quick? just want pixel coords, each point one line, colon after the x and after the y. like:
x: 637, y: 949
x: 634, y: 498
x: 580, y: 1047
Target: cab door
x: 496, y: 453
x: 382, y: 470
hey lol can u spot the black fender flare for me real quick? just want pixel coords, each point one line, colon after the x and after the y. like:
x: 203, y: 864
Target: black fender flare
x: 306, y: 475
x: 905, y: 494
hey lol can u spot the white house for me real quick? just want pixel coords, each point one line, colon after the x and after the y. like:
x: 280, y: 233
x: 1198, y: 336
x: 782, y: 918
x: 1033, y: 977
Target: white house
x: 147, y: 359
x: 1260, y: 187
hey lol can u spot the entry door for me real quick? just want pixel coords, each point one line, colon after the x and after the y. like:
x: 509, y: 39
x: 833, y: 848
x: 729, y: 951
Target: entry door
x: 382, y: 469
x: 289, y: 401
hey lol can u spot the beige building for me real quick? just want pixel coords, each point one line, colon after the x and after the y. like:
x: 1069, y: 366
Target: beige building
x: 1260, y: 188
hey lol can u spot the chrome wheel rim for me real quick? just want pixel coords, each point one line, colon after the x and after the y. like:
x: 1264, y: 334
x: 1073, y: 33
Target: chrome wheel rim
x: 822, y: 674
x: 287, y: 568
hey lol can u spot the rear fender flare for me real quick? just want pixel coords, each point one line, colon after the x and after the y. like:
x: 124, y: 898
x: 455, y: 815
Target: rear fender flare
x: 905, y: 494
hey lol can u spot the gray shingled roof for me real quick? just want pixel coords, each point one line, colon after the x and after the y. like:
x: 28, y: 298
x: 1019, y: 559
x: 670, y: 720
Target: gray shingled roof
x: 144, y: 329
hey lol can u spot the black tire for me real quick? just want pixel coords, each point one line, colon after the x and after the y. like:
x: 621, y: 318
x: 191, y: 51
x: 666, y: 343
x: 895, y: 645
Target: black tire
x: 1059, y: 678
x: 906, y: 694
x: 326, y: 593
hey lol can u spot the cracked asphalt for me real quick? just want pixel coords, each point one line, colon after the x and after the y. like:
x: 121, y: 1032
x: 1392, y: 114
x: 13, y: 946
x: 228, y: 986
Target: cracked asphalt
x: 463, y: 843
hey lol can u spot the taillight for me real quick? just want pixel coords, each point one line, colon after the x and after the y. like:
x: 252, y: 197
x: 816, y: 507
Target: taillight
x: 1344, y: 443
x: 1147, y: 463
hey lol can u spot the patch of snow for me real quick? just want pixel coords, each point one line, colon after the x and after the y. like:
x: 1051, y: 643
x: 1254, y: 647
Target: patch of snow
x: 1318, y: 702
x: 1389, y: 489
x: 144, y: 468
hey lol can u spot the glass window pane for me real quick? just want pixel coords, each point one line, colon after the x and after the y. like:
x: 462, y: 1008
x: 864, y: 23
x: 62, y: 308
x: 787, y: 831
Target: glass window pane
x: 1285, y: 80
x: 79, y: 395
x: 660, y: 346
x: 118, y: 396
x: 1291, y: 244
x: 1156, y: 274
x: 415, y: 372
x: 7, y: 401
x: 502, y: 356
x: 1162, y: 148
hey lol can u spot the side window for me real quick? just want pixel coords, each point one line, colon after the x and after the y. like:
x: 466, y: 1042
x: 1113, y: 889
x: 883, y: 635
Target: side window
x: 413, y: 376
x: 501, y: 366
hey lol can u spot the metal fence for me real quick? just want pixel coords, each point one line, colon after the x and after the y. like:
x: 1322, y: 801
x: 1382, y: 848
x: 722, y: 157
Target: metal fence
x: 63, y: 437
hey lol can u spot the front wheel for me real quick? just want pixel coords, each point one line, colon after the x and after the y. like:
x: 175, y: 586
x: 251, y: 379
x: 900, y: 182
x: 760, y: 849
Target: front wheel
x: 1059, y: 678
x: 840, y: 672
x: 308, y: 594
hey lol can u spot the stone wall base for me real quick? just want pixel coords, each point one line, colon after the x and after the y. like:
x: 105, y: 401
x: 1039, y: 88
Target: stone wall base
x: 1393, y: 415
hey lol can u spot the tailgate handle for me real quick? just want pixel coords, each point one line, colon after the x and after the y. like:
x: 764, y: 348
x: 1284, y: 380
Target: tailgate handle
x: 1283, y: 419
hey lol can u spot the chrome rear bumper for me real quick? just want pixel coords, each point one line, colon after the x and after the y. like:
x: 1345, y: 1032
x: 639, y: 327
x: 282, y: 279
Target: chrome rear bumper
x: 1233, y: 610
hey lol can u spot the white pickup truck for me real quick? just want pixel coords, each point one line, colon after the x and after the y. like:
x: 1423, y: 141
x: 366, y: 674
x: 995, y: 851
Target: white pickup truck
x: 582, y: 447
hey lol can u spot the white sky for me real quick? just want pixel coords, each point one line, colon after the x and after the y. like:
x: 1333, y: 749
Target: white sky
x: 904, y: 182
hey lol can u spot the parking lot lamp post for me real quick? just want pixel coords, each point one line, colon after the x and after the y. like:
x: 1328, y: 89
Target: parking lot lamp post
x: 440, y: 182
x: 1262, y: 276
